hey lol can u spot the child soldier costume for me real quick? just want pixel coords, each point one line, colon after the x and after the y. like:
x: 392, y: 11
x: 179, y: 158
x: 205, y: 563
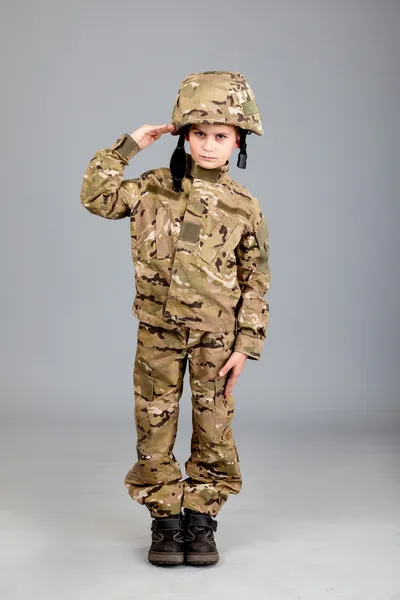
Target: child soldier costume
x: 200, y: 250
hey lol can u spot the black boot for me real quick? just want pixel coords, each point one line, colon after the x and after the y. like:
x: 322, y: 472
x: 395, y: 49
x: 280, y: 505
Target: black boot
x: 167, y: 541
x: 200, y: 546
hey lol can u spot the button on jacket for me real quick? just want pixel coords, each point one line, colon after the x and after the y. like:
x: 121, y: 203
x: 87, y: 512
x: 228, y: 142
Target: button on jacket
x: 200, y: 255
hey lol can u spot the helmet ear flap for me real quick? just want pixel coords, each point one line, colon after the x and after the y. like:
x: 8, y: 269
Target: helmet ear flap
x: 178, y: 162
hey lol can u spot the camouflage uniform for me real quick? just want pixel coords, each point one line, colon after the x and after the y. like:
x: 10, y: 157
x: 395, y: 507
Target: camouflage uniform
x: 201, y: 272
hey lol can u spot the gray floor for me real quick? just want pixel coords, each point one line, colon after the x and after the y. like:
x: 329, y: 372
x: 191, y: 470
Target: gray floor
x: 318, y: 516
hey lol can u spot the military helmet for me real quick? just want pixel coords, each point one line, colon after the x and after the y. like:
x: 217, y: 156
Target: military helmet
x: 222, y: 97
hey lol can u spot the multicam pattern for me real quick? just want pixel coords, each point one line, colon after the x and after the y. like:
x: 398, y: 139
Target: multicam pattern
x: 200, y: 256
x: 213, y: 466
x: 216, y: 97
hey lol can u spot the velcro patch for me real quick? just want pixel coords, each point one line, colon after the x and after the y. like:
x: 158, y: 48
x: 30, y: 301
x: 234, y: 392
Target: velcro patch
x: 190, y: 232
x: 125, y: 145
x: 262, y: 232
x: 250, y: 108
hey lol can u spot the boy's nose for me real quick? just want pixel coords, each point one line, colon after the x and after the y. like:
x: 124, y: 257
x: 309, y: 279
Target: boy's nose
x: 208, y: 147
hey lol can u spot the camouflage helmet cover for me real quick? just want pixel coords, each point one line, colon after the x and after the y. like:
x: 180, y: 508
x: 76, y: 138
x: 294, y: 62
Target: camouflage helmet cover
x: 211, y: 97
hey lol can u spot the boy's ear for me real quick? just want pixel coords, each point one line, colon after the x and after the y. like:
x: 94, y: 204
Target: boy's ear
x: 187, y: 133
x: 237, y: 142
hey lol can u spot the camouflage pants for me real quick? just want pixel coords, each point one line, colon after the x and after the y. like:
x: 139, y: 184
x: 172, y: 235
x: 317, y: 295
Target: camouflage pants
x: 213, y: 466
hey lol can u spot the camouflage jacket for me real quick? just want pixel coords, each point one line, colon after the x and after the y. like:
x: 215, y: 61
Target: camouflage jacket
x: 200, y: 256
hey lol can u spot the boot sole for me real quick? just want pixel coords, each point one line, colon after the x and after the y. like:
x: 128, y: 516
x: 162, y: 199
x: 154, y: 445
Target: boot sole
x: 162, y: 558
x: 202, y: 559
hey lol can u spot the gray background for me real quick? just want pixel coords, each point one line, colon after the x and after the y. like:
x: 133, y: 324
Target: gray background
x: 320, y: 410
x: 326, y: 174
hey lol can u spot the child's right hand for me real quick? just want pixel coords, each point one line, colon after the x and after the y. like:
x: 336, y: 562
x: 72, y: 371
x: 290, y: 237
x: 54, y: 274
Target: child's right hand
x: 147, y: 134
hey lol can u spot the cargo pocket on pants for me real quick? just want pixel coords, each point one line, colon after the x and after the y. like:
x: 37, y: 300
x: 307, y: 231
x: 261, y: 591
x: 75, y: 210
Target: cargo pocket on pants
x: 213, y: 412
x: 154, y: 414
x: 143, y: 386
x: 224, y: 410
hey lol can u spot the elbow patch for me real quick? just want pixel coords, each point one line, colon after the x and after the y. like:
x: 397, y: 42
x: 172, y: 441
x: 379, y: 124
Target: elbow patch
x: 261, y: 234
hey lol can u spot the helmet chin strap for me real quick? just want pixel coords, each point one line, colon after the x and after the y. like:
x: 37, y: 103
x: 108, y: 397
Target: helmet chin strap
x: 177, y: 163
x: 242, y: 158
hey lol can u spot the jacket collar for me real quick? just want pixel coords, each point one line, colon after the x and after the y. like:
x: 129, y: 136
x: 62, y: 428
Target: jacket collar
x: 213, y: 175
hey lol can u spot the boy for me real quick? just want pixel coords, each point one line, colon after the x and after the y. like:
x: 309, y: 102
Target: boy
x: 200, y: 249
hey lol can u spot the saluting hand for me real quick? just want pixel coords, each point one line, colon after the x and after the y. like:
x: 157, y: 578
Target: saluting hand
x: 147, y: 134
x: 234, y: 364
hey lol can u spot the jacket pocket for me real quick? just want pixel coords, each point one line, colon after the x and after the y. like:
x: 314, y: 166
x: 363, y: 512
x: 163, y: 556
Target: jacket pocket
x: 153, y: 232
x: 220, y: 242
x: 163, y: 232
x: 145, y: 228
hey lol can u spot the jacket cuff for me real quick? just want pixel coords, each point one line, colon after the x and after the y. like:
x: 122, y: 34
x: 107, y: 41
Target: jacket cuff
x: 248, y: 345
x: 126, y: 146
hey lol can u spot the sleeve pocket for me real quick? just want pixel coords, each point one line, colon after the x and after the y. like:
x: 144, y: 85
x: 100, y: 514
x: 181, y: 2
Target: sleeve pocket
x: 261, y: 234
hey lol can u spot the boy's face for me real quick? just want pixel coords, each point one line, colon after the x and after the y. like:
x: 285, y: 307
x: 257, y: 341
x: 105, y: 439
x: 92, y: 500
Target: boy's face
x: 212, y: 145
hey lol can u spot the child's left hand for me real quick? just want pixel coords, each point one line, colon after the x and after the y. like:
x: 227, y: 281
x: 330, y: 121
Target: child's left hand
x: 236, y: 362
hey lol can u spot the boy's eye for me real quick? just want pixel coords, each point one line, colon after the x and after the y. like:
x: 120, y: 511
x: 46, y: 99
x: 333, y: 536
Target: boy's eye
x: 220, y: 135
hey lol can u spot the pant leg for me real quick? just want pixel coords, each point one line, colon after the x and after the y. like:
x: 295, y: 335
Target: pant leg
x: 159, y: 368
x: 213, y: 467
